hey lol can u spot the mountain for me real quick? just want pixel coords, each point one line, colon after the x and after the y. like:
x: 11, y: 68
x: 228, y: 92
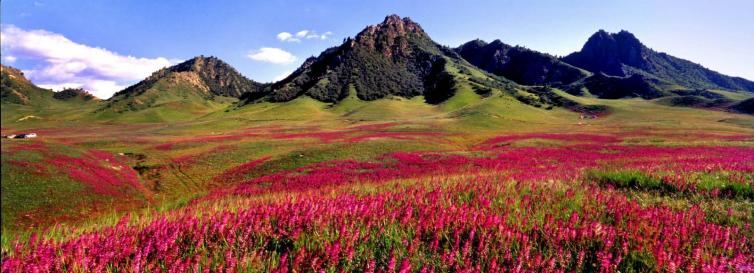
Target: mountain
x: 16, y: 89
x: 519, y: 64
x: 210, y: 75
x: 194, y: 87
x: 622, y: 54
x: 393, y: 58
x: 22, y: 101
x: 396, y: 59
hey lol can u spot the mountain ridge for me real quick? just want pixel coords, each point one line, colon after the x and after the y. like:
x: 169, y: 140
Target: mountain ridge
x: 622, y: 54
x: 519, y: 64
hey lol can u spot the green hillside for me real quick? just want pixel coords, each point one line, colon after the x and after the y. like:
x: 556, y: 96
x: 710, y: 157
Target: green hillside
x: 173, y: 97
x: 23, y: 102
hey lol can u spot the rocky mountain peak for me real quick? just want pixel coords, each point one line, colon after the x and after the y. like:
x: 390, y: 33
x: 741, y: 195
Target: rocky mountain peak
x: 391, y: 37
x: 608, y: 52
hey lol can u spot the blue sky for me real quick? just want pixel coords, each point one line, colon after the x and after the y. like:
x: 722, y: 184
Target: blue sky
x: 107, y: 45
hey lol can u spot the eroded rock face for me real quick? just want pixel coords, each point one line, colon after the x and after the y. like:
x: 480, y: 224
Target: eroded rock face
x: 391, y: 37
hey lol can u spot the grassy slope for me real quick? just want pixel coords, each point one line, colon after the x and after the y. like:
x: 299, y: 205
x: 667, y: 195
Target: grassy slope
x: 168, y: 100
x: 46, y: 112
x: 640, y: 114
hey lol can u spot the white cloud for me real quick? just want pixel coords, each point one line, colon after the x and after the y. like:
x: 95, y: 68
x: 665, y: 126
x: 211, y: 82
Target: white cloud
x: 272, y: 55
x: 63, y: 61
x: 282, y: 76
x: 9, y: 59
x: 98, y: 88
x: 303, y: 34
x: 104, y: 89
x: 287, y: 37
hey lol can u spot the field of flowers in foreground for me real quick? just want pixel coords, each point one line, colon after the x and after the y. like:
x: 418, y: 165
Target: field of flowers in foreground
x: 590, y: 205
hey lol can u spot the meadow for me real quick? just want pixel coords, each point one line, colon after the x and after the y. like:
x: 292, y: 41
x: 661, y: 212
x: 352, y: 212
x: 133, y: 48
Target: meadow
x: 366, y: 188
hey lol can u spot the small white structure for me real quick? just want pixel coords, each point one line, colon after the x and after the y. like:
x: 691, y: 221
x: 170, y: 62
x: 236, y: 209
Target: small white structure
x: 27, y: 135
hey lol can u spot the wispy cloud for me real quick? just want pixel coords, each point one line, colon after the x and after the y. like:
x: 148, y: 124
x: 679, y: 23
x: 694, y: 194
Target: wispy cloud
x: 272, y: 55
x: 303, y: 34
x: 65, y: 63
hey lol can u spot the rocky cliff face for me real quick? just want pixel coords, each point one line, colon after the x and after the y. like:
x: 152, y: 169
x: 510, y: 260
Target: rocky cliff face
x: 392, y: 37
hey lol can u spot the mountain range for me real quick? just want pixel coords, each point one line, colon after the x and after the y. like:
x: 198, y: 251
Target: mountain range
x: 397, y: 59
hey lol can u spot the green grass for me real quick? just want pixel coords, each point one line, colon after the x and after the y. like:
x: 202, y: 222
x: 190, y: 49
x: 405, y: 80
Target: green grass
x: 704, y: 183
x: 354, y: 109
x: 634, y: 180
x: 712, y: 181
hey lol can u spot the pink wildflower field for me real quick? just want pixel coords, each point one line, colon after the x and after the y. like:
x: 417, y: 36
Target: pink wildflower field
x: 591, y: 203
